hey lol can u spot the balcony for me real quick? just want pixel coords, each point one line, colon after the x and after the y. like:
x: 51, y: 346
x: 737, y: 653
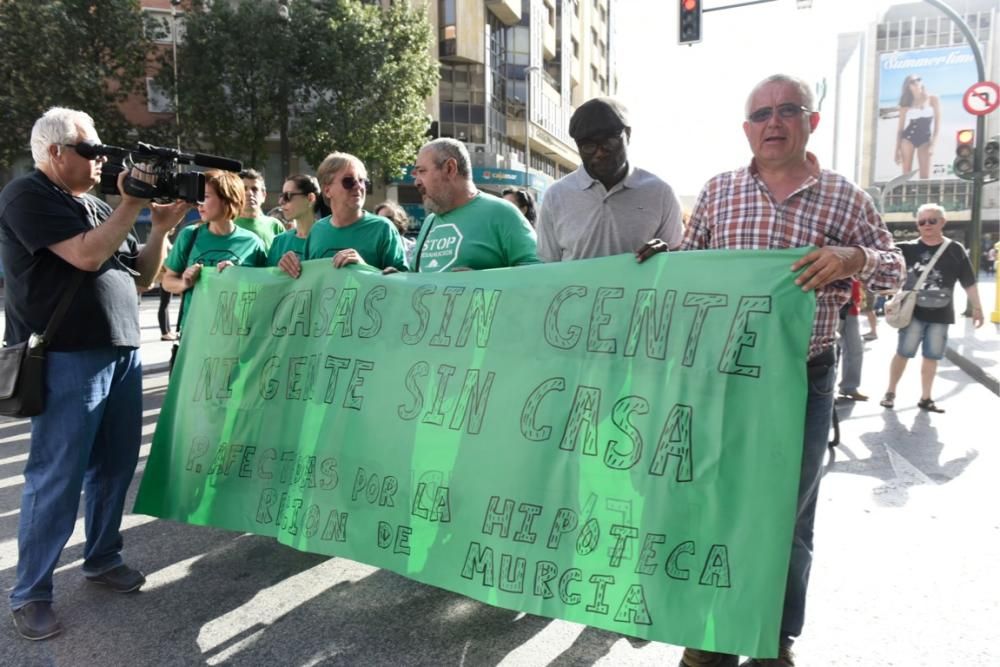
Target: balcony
x: 508, y: 11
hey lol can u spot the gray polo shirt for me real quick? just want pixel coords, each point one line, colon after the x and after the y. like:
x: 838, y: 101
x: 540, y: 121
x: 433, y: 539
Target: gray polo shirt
x: 580, y: 219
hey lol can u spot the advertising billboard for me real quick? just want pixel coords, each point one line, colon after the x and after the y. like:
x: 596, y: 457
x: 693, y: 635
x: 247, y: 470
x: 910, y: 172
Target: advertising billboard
x: 920, y: 111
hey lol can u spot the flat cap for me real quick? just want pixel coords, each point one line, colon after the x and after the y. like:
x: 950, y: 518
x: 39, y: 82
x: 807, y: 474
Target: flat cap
x: 596, y: 117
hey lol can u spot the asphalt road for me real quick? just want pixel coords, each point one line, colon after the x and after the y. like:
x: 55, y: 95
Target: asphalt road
x: 907, y: 547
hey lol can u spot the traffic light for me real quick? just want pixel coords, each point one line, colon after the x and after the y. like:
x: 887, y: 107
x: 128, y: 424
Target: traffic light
x: 991, y: 159
x: 690, y: 22
x: 963, y: 165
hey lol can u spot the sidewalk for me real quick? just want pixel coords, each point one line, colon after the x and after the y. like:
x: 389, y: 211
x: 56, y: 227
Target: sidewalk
x: 977, y: 351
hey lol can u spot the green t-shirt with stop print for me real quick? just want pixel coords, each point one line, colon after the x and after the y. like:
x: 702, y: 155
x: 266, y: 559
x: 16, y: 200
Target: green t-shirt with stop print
x: 486, y: 233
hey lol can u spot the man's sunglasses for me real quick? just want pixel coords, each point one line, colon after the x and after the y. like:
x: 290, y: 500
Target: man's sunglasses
x: 349, y: 183
x: 288, y: 196
x: 787, y: 110
x: 608, y: 144
x: 928, y: 221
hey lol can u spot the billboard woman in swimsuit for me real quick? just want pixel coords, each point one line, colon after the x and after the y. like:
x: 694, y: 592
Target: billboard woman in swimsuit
x: 919, y: 119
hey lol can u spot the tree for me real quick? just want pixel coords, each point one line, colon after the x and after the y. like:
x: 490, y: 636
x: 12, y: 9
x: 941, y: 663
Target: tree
x: 337, y: 75
x: 83, y: 54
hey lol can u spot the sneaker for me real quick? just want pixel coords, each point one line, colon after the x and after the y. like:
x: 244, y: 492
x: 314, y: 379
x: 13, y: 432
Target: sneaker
x: 36, y: 621
x: 694, y: 657
x: 170, y: 335
x: 121, y: 579
x: 870, y: 336
x: 785, y: 659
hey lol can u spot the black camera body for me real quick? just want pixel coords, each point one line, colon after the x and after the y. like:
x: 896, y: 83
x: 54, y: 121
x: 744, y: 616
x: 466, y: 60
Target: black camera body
x: 170, y: 183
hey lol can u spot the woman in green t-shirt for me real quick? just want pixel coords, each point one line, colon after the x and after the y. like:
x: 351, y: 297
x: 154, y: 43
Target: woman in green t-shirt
x: 350, y: 235
x: 215, y: 242
x: 299, y: 197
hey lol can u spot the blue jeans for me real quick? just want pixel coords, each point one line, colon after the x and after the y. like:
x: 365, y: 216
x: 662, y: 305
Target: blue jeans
x: 819, y: 414
x: 933, y: 336
x: 852, y: 351
x: 87, y: 438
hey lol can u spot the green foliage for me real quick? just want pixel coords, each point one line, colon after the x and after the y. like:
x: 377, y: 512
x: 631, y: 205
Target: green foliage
x: 83, y: 54
x: 339, y: 75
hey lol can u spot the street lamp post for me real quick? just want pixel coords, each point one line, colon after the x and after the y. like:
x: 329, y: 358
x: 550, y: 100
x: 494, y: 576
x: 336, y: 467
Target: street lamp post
x: 284, y: 13
x: 177, y: 102
x: 527, y: 124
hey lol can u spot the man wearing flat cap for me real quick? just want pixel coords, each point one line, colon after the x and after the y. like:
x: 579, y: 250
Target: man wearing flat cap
x: 607, y: 206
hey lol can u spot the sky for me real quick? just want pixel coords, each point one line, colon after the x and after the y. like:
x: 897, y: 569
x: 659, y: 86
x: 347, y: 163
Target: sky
x: 686, y: 102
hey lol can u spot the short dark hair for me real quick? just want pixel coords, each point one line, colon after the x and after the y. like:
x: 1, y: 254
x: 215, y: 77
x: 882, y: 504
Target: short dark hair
x: 254, y: 174
x: 524, y: 200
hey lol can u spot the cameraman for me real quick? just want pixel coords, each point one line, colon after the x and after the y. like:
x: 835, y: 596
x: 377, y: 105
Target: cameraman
x: 88, y: 436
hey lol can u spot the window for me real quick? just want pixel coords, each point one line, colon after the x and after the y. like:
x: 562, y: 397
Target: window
x: 593, y: 73
x: 576, y: 47
x: 446, y: 28
x: 157, y: 99
x: 593, y: 36
x: 160, y: 27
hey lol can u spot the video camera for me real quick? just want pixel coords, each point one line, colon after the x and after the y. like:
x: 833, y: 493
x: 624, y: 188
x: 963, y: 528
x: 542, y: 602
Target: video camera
x: 171, y: 183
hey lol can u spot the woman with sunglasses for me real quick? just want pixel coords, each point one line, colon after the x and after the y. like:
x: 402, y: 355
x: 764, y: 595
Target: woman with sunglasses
x: 919, y: 121
x: 215, y: 242
x: 298, y: 198
x: 350, y: 235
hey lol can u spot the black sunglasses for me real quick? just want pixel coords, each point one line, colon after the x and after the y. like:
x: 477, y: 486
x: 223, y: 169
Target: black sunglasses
x: 288, y: 196
x: 609, y: 144
x: 786, y: 110
x: 349, y: 183
x: 928, y: 221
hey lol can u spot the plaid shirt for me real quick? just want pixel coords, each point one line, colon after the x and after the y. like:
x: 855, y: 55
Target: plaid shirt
x: 736, y: 210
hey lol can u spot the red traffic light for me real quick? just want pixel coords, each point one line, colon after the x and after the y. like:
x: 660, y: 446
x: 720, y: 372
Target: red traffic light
x: 690, y: 22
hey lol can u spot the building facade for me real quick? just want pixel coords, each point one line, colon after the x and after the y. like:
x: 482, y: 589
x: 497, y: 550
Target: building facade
x: 915, y: 45
x: 512, y: 73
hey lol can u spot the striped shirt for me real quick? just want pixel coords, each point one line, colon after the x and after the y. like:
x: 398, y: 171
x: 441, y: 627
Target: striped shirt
x: 736, y: 210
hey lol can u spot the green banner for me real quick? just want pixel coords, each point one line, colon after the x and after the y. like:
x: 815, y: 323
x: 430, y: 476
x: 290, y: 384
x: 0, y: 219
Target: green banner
x: 601, y: 441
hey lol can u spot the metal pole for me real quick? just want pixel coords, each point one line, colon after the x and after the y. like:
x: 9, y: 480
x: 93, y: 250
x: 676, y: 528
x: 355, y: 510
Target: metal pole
x: 177, y: 101
x: 527, y: 127
x: 975, y: 248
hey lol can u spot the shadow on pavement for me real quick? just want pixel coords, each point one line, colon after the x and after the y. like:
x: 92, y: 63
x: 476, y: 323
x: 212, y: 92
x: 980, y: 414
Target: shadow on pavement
x: 901, y: 456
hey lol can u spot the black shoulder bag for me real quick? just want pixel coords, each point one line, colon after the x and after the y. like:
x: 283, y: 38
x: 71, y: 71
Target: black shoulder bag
x: 180, y: 312
x: 22, y: 366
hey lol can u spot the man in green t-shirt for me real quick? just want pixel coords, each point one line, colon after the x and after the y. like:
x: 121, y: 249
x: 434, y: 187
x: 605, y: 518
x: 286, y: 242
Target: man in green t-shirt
x: 253, y: 219
x: 466, y: 228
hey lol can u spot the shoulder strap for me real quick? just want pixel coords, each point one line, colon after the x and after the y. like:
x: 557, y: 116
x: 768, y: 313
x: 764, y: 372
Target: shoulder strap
x: 927, y: 269
x: 187, y: 257
x: 194, y: 239
x: 57, y: 315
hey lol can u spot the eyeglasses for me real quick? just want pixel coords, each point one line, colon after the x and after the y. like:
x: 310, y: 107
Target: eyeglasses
x: 916, y: 79
x: 608, y: 144
x: 928, y: 221
x: 349, y: 183
x: 85, y: 149
x: 786, y: 110
x: 287, y: 196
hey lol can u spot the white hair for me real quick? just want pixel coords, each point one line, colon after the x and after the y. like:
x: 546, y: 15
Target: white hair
x: 805, y: 92
x: 58, y: 125
x: 937, y: 208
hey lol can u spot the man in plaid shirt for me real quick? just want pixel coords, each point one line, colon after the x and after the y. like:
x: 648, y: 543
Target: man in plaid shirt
x: 783, y: 199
